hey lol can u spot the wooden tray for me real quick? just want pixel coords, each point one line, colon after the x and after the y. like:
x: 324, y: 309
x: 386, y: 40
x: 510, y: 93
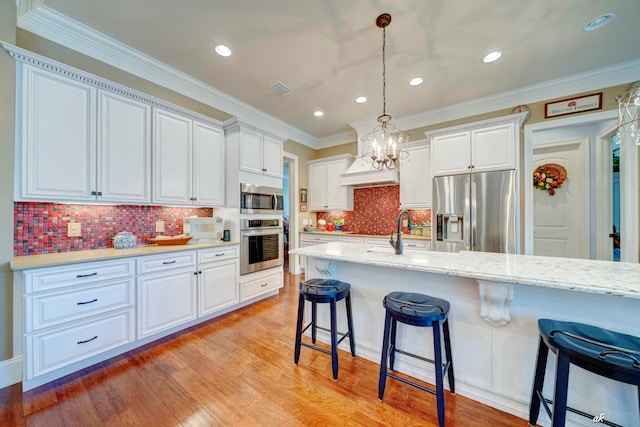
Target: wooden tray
x: 171, y: 241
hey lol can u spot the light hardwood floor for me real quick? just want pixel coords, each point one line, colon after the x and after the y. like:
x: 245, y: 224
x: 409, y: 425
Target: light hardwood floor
x: 236, y: 370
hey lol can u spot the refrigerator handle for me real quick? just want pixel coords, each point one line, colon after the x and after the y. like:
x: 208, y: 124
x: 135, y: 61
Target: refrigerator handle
x: 473, y: 230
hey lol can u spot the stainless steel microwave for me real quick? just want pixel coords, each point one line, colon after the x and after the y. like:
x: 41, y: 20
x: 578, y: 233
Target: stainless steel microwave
x: 259, y: 199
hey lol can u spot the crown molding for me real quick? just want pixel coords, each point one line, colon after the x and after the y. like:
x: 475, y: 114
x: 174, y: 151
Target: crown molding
x: 34, y: 60
x: 51, y: 25
x: 512, y: 118
x: 337, y: 139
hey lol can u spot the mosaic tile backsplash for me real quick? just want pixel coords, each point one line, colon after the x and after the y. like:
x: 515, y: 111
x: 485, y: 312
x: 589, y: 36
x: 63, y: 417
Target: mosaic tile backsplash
x: 375, y: 211
x: 41, y: 228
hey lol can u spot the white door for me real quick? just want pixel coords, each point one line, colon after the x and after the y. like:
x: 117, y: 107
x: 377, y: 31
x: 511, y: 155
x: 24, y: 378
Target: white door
x: 209, y: 167
x: 124, y: 140
x: 218, y: 287
x: 173, y: 158
x: 561, y: 221
x: 58, y: 147
x: 251, y: 151
x: 272, y: 157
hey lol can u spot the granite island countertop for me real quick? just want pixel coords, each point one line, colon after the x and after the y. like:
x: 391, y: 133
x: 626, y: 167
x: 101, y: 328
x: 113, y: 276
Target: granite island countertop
x: 593, y: 276
x: 62, y: 258
x: 371, y: 236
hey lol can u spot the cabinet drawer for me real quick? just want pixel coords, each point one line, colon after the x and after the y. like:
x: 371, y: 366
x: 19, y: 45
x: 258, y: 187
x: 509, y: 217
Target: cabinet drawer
x: 261, y: 286
x: 217, y: 254
x: 51, y: 309
x: 55, y: 349
x: 78, y: 274
x: 166, y: 261
x: 350, y: 239
x: 317, y: 239
x: 416, y: 244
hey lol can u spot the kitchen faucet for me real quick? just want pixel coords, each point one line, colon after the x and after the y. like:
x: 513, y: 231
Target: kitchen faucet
x: 397, y: 245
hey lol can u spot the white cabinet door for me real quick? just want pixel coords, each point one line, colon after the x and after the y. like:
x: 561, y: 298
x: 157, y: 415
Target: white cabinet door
x: 124, y: 141
x: 493, y: 148
x: 209, y: 165
x: 337, y: 195
x: 166, y: 299
x: 318, y: 187
x: 218, y: 287
x: 173, y: 157
x: 451, y: 153
x: 251, y: 153
x: 57, y: 138
x: 416, y: 179
x: 272, y: 157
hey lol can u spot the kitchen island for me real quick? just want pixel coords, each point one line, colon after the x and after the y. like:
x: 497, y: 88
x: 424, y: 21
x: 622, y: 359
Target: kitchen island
x: 496, y: 300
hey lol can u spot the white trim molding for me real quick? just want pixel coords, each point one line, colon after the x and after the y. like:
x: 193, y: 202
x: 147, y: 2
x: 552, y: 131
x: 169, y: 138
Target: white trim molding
x: 10, y: 371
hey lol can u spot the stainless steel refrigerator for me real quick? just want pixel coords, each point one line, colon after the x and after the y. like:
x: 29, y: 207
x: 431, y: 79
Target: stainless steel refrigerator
x: 475, y: 212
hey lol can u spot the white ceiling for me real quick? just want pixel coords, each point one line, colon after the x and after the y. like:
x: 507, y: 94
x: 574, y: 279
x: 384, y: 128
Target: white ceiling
x: 329, y: 52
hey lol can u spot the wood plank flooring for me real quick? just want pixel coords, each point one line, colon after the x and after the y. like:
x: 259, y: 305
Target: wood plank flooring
x: 236, y: 370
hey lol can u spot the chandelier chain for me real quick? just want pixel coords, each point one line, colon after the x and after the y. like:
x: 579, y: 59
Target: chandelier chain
x: 384, y: 72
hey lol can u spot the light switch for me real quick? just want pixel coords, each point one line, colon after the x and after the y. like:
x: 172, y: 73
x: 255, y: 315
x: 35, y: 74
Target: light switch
x: 74, y: 229
x: 159, y: 226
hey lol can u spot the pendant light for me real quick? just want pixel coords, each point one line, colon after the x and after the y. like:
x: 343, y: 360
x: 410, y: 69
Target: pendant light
x: 386, y: 145
x: 629, y: 114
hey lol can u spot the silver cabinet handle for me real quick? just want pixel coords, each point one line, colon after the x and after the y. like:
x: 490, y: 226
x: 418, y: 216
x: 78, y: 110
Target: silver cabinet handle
x: 89, y: 340
x: 87, y: 302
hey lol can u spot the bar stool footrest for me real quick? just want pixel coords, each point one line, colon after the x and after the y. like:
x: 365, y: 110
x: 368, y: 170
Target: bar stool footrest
x: 411, y: 383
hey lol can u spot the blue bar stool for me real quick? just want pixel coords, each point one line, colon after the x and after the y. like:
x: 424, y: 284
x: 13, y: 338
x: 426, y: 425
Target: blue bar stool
x: 324, y: 291
x: 609, y: 354
x: 417, y: 310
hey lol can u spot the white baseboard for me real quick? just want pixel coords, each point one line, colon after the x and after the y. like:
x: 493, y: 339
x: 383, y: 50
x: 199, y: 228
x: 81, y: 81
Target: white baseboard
x: 10, y: 371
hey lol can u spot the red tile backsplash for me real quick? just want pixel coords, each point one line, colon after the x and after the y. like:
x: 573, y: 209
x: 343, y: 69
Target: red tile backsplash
x: 375, y: 211
x: 41, y: 228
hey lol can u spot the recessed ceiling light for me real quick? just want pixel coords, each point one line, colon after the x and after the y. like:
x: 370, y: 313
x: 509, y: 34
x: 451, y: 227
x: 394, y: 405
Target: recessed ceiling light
x: 416, y: 81
x: 222, y: 50
x: 492, y: 56
x: 318, y: 113
x: 600, y: 21
x: 361, y: 99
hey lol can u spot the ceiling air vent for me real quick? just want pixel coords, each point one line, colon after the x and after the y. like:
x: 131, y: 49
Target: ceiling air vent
x: 281, y: 88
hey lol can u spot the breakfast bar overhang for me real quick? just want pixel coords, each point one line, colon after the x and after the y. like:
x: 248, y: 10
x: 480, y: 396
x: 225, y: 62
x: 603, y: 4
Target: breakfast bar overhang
x: 496, y: 301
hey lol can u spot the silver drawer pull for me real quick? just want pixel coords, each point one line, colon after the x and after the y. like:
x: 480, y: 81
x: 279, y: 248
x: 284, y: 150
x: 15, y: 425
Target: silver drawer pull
x: 266, y: 284
x: 412, y: 246
x: 87, y: 302
x: 89, y: 340
x: 169, y: 262
x: 222, y: 254
x: 79, y: 276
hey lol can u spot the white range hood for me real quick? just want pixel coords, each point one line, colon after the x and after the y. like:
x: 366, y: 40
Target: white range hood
x: 362, y: 174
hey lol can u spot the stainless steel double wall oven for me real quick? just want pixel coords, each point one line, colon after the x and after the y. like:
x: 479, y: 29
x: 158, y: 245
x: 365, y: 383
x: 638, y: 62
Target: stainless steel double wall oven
x: 261, y: 231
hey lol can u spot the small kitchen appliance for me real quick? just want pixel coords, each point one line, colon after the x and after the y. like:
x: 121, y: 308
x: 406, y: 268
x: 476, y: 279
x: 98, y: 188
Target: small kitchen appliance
x: 204, y: 230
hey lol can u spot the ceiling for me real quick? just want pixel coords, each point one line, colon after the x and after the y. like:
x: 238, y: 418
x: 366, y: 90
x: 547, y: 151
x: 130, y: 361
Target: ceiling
x: 329, y: 52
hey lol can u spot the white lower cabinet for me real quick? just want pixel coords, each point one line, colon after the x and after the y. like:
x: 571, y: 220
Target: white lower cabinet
x: 75, y: 315
x: 256, y: 284
x: 74, y: 312
x: 166, y: 299
x: 217, y: 280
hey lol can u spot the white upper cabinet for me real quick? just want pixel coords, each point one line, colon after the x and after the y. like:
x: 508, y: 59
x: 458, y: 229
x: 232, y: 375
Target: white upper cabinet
x: 476, y: 147
x: 188, y: 161
x: 325, y: 191
x: 124, y: 138
x: 209, y: 165
x: 260, y: 153
x: 56, y: 150
x: 416, y: 178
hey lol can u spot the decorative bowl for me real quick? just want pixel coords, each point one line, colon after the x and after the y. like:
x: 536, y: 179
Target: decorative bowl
x: 181, y: 240
x: 307, y: 228
x: 124, y: 240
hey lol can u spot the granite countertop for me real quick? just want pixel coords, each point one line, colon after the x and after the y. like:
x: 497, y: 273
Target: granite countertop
x: 350, y: 233
x: 62, y: 258
x: 602, y: 277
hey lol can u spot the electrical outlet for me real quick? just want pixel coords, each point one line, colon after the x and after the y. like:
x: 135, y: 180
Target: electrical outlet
x: 159, y: 226
x: 74, y: 229
x: 405, y: 222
